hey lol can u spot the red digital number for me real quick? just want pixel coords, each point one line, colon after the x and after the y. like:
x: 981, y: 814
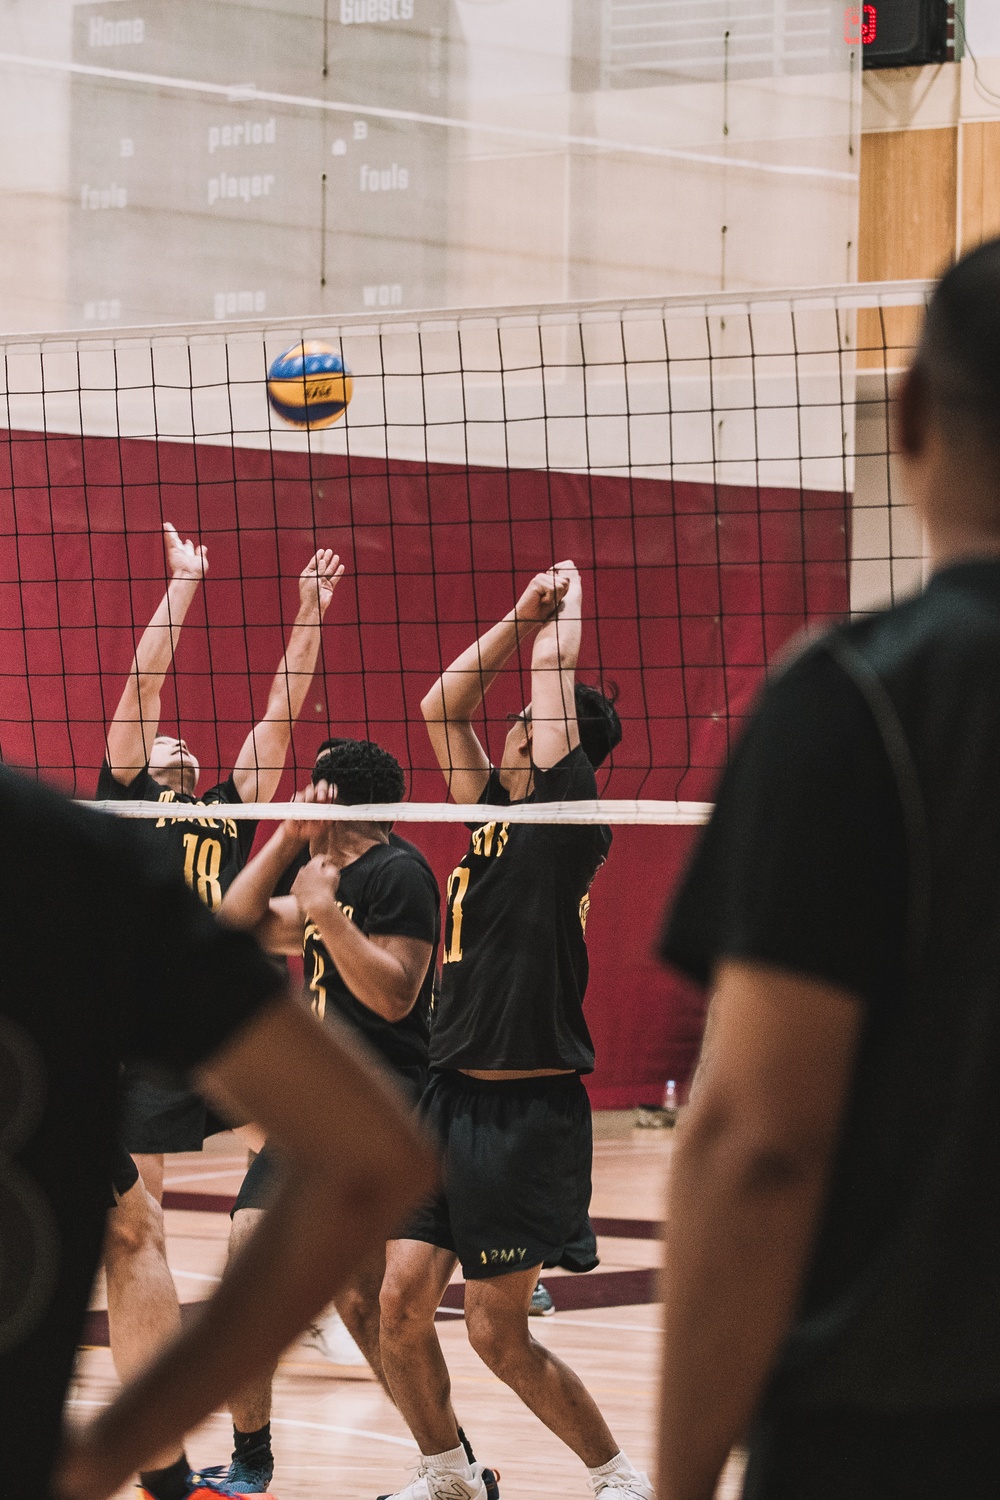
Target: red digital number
x: 860, y: 24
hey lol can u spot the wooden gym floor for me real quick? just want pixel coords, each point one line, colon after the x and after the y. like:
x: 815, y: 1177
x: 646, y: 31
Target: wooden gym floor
x: 336, y: 1434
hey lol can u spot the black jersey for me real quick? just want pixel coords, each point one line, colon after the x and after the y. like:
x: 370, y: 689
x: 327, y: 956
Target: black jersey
x: 856, y: 840
x: 390, y: 890
x: 210, y: 851
x: 515, y: 951
x: 153, y: 976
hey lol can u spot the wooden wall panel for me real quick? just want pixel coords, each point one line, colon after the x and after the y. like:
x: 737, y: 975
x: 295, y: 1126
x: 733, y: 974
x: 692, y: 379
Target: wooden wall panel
x: 980, y: 181
x: 907, y: 230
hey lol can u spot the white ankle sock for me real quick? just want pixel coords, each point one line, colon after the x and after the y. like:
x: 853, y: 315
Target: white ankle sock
x: 454, y: 1461
x: 620, y: 1464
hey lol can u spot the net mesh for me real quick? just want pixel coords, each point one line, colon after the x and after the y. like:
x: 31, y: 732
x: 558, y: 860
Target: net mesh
x: 719, y: 471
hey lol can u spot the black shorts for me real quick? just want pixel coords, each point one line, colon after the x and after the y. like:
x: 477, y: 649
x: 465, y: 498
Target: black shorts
x: 858, y: 1455
x: 517, y: 1165
x: 159, y: 1113
x: 124, y: 1175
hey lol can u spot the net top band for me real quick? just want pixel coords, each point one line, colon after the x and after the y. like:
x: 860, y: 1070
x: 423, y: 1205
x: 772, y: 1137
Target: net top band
x: 627, y: 811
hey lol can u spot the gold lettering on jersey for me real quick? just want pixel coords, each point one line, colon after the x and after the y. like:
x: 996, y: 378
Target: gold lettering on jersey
x: 511, y: 1255
x: 458, y: 884
x: 491, y: 839
x: 316, y: 978
x: 228, y: 825
x: 584, y: 911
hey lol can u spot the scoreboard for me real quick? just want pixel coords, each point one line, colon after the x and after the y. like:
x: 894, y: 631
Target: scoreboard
x: 194, y: 199
x: 900, y: 33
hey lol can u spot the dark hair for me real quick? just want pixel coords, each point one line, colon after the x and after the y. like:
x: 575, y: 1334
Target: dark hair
x: 598, y: 722
x: 360, y: 770
x: 958, y: 358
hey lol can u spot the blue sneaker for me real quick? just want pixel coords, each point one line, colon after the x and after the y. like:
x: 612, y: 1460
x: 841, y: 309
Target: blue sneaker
x: 542, y: 1305
x: 248, y: 1474
x: 205, y: 1486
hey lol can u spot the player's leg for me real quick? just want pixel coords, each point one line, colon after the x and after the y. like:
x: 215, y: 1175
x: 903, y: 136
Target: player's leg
x: 143, y: 1311
x: 358, y: 1306
x: 252, y: 1463
x: 150, y: 1165
x: 519, y: 1163
x: 496, y: 1314
x: 415, y: 1278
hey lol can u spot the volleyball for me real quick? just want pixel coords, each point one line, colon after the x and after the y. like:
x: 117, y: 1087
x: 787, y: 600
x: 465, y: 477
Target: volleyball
x: 309, y: 385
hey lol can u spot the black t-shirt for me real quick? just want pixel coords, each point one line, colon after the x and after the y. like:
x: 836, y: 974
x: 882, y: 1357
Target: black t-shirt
x: 515, y: 951
x: 390, y: 891
x: 104, y: 955
x: 804, y: 863
x: 856, y: 839
x: 210, y: 851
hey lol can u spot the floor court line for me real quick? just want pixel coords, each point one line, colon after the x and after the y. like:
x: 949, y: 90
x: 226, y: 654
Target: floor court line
x: 558, y: 1320
x: 364, y: 1432
x: 171, y: 1182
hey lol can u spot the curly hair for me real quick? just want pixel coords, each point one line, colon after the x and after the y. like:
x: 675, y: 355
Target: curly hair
x: 360, y: 770
x: 598, y: 722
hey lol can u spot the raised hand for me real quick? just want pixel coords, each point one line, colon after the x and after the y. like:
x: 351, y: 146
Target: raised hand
x: 301, y: 830
x: 184, y: 559
x: 545, y: 593
x: 318, y: 580
x: 316, y: 884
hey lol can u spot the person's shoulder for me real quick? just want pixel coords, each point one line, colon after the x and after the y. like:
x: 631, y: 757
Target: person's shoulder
x: 494, y: 793
x: 142, y: 787
x: 952, y: 623
x: 572, y: 778
x: 810, y: 675
x: 223, y: 791
x: 399, y: 855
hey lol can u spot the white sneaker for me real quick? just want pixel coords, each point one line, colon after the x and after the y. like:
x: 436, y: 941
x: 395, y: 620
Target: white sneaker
x: 428, y: 1485
x: 633, y: 1486
x: 330, y: 1337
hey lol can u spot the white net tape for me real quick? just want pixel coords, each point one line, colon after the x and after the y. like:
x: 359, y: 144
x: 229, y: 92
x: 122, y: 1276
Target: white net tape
x: 635, y: 811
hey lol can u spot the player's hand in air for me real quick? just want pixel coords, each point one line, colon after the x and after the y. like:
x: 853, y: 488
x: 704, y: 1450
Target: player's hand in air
x: 545, y: 593
x: 184, y: 559
x: 316, y: 884
x: 318, y: 580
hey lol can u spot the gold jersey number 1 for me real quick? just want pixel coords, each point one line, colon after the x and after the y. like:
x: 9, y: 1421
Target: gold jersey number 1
x: 458, y: 884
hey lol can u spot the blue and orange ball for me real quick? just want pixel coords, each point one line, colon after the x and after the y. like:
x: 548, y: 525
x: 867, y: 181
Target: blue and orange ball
x: 309, y: 385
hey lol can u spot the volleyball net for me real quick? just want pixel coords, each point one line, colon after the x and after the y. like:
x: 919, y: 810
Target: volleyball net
x: 718, y: 469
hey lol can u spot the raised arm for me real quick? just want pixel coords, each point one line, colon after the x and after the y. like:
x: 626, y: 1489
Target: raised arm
x: 450, y: 704
x: 356, y: 1163
x: 137, y: 717
x: 554, y: 731
x: 262, y: 759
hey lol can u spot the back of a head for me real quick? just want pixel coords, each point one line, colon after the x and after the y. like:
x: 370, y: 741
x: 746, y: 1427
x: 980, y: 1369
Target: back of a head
x: 361, y: 771
x: 958, y: 359
x: 598, y: 722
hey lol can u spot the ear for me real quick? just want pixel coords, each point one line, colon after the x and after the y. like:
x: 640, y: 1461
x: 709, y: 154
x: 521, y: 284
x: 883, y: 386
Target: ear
x: 910, y: 414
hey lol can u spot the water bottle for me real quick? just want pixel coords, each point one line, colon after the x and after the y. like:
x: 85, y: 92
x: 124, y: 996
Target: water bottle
x: 670, y: 1103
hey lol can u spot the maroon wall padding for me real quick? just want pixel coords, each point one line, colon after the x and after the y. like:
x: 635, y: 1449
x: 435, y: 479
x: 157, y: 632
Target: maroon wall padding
x: 690, y: 590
